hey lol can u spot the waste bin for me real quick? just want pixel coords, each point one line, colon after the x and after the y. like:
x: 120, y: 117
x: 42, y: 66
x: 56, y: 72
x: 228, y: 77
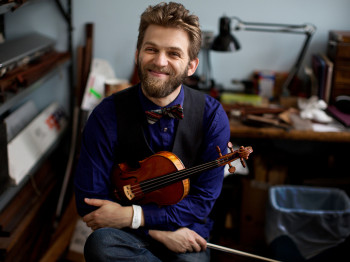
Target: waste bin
x: 313, y: 218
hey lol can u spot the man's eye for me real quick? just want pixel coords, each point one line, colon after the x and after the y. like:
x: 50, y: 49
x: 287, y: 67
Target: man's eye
x: 175, y: 54
x: 150, y: 49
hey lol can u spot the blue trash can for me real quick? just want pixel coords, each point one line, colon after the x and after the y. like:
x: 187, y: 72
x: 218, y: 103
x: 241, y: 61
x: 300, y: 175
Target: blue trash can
x: 314, y: 218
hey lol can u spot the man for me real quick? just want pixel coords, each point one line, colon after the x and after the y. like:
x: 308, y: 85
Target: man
x: 117, y: 132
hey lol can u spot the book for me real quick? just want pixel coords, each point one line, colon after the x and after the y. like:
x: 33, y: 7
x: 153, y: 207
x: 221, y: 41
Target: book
x: 318, y: 66
x: 232, y: 98
x: 340, y: 116
x: 322, y: 67
x: 328, y: 71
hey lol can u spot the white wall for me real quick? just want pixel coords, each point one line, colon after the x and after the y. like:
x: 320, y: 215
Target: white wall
x: 116, y: 25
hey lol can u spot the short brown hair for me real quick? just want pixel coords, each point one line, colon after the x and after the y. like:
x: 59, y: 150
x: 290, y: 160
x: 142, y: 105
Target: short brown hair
x: 172, y: 15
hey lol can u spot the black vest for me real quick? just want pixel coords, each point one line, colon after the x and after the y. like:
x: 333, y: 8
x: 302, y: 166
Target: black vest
x: 131, y: 123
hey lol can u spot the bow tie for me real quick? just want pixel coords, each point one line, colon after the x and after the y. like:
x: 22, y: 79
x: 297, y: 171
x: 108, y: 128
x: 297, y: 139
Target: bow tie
x: 174, y: 111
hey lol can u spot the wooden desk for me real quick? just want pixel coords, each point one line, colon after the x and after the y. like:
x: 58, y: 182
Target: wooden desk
x: 239, y: 130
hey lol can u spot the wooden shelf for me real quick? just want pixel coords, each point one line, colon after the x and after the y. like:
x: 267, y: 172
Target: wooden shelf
x: 26, y: 224
x: 14, y: 98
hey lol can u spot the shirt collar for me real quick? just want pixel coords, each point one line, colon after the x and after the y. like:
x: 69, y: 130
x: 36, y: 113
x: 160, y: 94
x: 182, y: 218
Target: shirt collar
x: 149, y: 105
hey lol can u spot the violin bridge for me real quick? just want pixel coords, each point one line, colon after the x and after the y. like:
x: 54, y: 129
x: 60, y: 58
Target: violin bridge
x: 128, y: 192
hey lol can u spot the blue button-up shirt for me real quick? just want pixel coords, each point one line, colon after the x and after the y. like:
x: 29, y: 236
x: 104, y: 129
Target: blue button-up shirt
x: 97, y: 155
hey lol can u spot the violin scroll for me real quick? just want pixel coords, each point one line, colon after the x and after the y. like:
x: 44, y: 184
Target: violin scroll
x: 243, y: 153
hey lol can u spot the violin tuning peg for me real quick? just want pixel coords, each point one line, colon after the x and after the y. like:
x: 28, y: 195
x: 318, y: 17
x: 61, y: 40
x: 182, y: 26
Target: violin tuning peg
x: 242, y: 162
x: 230, y: 146
x: 218, y: 150
x: 232, y: 169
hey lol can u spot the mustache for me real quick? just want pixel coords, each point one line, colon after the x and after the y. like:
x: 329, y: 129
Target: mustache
x: 160, y: 69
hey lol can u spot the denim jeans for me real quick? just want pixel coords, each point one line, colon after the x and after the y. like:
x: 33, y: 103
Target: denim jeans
x: 110, y: 244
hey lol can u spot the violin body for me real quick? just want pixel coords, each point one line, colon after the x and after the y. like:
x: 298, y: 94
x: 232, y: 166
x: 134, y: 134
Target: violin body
x: 163, y: 179
x: 129, y: 182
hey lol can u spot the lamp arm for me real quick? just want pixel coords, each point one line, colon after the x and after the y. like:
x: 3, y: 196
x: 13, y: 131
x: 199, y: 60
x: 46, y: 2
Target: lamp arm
x: 307, y: 29
x: 294, y: 71
x: 272, y: 27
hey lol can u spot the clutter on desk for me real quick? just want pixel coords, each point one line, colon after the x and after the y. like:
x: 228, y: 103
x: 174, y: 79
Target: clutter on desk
x: 341, y: 116
x: 314, y: 109
x: 302, y: 114
x: 257, y: 115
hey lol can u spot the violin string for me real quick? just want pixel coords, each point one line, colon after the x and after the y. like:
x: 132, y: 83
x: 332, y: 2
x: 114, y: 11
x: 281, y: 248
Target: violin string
x: 183, y: 173
x: 152, y: 184
x: 172, y: 179
x: 149, y: 185
x: 178, y: 172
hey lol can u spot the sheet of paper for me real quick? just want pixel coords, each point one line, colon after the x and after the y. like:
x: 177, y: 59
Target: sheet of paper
x: 27, y: 148
x: 326, y: 128
x: 94, y: 91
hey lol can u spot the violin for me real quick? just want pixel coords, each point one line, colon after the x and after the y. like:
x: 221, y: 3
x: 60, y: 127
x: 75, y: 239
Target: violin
x: 163, y: 179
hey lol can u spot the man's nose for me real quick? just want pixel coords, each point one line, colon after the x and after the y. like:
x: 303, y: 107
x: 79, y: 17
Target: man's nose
x: 161, y: 59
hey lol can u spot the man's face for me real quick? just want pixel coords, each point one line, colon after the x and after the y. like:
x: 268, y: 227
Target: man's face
x: 163, y: 62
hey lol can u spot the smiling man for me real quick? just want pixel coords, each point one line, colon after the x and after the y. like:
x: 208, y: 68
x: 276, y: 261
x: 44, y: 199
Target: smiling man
x: 158, y: 114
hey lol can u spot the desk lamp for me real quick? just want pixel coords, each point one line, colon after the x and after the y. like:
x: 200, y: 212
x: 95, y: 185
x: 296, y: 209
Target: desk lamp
x: 225, y: 41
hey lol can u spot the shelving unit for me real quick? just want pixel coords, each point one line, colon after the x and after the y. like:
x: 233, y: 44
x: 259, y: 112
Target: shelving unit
x: 27, y: 210
x: 15, y: 98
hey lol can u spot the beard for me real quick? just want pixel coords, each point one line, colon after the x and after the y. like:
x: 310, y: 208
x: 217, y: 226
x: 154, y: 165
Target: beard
x: 158, y: 88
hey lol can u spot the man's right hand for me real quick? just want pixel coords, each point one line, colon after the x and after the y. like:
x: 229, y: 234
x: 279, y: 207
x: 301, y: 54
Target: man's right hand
x: 180, y: 241
x: 108, y: 214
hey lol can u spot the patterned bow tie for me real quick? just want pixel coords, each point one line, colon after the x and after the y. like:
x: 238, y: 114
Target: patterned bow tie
x: 174, y: 111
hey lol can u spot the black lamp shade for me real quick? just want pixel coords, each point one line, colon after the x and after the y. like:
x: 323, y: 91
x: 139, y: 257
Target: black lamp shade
x: 225, y: 42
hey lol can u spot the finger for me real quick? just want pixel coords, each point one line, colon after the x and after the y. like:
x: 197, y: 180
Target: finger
x: 89, y: 224
x: 87, y: 218
x: 196, y: 247
x: 189, y: 249
x: 202, y: 243
x: 94, y: 202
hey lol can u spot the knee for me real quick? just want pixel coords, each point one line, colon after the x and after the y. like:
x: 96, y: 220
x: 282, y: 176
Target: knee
x: 96, y: 245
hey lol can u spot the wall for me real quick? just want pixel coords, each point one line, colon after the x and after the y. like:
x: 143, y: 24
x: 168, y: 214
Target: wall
x: 116, y: 28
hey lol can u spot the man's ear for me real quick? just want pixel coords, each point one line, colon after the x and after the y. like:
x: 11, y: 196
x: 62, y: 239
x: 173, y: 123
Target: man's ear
x: 192, y: 67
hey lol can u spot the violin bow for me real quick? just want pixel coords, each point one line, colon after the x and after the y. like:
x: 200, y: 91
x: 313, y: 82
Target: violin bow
x: 234, y: 251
